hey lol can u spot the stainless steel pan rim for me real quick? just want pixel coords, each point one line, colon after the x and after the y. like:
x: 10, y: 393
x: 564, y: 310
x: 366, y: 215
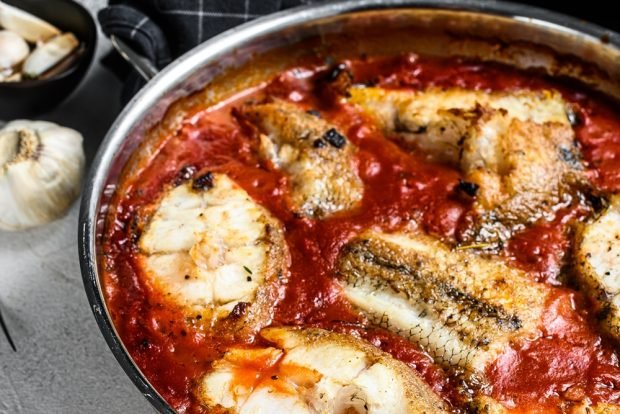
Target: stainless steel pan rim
x: 210, y: 51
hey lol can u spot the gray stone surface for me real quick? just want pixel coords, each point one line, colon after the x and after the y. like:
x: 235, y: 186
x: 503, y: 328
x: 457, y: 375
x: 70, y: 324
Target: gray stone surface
x: 62, y: 364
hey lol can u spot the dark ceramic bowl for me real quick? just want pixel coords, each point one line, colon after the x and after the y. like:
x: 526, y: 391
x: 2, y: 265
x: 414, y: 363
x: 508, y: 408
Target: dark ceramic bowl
x: 31, y: 97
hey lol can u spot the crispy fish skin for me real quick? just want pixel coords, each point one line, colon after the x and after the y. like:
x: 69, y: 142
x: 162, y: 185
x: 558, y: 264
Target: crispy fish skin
x: 214, y: 251
x: 314, y: 371
x: 462, y: 308
x: 318, y: 159
x: 517, y: 147
x: 597, y: 261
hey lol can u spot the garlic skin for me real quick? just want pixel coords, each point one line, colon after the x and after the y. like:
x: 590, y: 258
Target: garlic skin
x: 30, y: 27
x: 41, y: 168
x: 13, y: 50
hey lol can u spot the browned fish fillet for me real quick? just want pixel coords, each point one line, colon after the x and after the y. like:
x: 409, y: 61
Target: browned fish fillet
x: 214, y: 251
x: 312, y: 371
x: 462, y: 308
x: 590, y: 408
x: 516, y: 149
x: 318, y: 158
x: 598, y: 264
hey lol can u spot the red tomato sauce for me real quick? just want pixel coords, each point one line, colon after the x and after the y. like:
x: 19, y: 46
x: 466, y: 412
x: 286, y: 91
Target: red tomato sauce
x: 568, y: 362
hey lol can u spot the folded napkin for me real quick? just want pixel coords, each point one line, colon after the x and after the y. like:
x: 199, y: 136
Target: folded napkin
x: 162, y: 30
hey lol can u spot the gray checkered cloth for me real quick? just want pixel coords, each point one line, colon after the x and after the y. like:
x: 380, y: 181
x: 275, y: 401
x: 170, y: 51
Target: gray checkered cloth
x: 164, y: 29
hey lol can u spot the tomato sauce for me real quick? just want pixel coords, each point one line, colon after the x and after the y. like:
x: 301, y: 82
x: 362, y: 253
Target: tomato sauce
x: 570, y: 361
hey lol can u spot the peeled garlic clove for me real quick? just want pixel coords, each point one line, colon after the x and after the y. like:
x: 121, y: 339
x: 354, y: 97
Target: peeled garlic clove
x: 13, y: 49
x: 12, y: 77
x: 25, y: 24
x: 49, y: 54
x: 41, y: 167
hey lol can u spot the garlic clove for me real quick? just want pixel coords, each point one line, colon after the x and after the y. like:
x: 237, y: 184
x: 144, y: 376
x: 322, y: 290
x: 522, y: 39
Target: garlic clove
x: 30, y: 27
x: 49, y: 54
x: 41, y: 167
x: 9, y: 145
x: 13, y: 50
x: 15, y: 77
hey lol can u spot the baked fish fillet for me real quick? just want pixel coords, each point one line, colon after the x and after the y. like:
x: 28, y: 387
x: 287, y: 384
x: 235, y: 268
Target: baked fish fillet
x: 213, y: 250
x: 318, y: 159
x: 460, y: 307
x: 598, y: 264
x: 312, y: 371
x: 599, y: 408
x: 516, y: 149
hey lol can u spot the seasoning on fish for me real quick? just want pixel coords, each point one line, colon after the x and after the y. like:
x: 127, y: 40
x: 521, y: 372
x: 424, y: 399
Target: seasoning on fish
x: 211, y: 249
x: 312, y: 371
x: 598, y: 264
x: 517, y: 147
x: 462, y: 308
x: 319, y: 159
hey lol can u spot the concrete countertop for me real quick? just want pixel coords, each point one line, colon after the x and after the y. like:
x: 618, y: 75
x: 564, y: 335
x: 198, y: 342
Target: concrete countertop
x: 62, y: 363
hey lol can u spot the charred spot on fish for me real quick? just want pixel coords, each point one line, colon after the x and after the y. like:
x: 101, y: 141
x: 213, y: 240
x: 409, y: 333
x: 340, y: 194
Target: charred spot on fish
x: 339, y: 80
x: 367, y: 256
x: 476, y: 307
x: 238, y: 310
x: 402, y: 128
x: 204, y: 182
x: 605, y: 311
x: 335, y: 138
x: 184, y: 174
x: 512, y: 323
x: 467, y: 187
x: 596, y: 202
x: 484, y: 341
x: 319, y: 143
x: 314, y: 113
x: 571, y: 157
x: 399, y: 125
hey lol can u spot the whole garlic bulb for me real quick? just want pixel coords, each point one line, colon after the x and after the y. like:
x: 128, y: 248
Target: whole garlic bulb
x: 41, y: 167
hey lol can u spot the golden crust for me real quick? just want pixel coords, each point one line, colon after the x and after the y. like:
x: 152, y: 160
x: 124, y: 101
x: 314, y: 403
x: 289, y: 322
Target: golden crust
x: 318, y: 159
x: 462, y: 308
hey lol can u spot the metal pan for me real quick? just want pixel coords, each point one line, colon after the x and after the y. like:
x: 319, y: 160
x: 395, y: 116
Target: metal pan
x: 516, y: 35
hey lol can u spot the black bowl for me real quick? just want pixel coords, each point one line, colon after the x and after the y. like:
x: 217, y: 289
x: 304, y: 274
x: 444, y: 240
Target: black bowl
x: 31, y: 97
